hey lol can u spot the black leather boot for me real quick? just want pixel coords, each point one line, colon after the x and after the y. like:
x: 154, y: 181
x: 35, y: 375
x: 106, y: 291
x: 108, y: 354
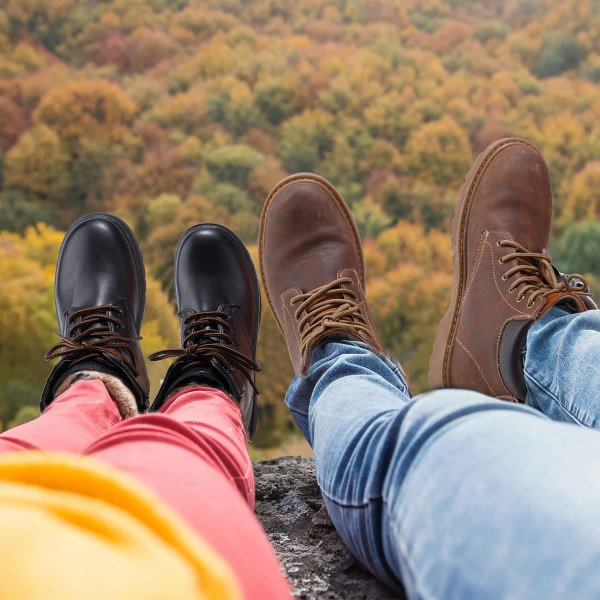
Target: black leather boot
x: 100, y: 292
x: 218, y: 302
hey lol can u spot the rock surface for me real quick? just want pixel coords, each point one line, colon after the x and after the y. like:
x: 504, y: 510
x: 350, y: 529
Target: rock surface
x: 290, y: 507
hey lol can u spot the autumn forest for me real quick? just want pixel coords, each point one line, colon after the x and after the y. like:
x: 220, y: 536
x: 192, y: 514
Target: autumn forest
x: 173, y: 112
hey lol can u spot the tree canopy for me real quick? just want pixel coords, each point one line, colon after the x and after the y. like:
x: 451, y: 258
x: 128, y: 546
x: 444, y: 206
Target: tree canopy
x: 170, y: 113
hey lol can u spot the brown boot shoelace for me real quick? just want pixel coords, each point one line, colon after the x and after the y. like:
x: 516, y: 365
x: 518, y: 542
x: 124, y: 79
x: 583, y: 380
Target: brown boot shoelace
x: 330, y: 306
x: 207, y: 335
x: 537, y: 275
x: 91, y: 338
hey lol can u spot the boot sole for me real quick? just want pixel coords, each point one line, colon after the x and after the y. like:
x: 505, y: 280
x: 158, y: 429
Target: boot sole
x: 439, y: 364
x: 261, y: 234
x: 133, y: 246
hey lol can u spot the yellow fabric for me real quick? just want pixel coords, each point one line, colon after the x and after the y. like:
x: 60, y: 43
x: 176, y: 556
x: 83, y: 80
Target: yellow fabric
x: 72, y: 527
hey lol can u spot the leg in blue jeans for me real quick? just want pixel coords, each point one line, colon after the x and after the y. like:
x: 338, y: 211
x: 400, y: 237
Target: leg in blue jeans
x: 455, y: 494
x: 562, y: 366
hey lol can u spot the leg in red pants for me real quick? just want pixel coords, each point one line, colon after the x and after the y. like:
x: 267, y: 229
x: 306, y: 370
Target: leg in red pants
x: 192, y: 454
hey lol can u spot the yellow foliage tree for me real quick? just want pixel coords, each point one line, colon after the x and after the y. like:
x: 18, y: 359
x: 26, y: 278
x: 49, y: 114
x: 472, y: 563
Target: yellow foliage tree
x: 439, y: 152
x: 39, y: 164
x: 583, y: 201
x: 26, y: 316
x: 410, y: 296
x: 97, y: 110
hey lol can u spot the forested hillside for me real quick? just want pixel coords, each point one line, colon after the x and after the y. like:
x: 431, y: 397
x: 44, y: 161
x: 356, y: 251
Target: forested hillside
x: 172, y: 112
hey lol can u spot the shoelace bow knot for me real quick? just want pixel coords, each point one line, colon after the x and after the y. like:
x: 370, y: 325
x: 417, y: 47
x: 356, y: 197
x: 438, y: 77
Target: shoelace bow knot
x: 536, y: 274
x: 208, y: 335
x: 95, y: 338
x: 330, y: 306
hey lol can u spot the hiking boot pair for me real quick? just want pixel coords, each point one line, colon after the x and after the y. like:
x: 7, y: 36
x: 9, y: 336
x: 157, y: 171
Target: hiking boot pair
x: 313, y: 273
x: 100, y: 295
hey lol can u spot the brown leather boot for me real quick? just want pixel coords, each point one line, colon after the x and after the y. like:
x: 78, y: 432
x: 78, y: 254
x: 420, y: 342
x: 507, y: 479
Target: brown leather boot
x: 312, y: 268
x: 503, y: 277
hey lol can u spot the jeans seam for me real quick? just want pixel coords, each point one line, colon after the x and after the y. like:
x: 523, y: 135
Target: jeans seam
x: 419, y: 584
x: 341, y: 504
x: 553, y: 397
x: 383, y: 502
x: 299, y: 413
x: 421, y: 588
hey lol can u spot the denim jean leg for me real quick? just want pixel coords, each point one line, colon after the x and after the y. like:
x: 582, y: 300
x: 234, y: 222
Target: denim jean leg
x: 351, y: 359
x: 562, y: 366
x: 454, y: 494
x: 344, y: 371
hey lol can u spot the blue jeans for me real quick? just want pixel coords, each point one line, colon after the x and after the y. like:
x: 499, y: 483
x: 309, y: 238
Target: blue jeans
x: 456, y: 494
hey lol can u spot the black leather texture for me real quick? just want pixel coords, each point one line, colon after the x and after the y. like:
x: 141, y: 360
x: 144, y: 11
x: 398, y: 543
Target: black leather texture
x: 100, y: 265
x: 217, y: 291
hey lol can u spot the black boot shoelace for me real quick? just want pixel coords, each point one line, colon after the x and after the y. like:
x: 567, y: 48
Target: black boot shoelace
x: 206, y: 336
x: 91, y: 337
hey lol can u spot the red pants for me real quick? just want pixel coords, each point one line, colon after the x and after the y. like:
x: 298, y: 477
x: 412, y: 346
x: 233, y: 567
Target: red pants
x: 192, y: 453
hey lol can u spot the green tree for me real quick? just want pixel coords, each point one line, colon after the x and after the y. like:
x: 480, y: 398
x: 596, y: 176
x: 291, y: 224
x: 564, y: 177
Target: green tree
x: 275, y: 99
x: 579, y: 248
x: 560, y: 52
x: 305, y: 139
x: 24, y: 413
x: 44, y: 20
x: 370, y: 217
x: 240, y: 113
x: 160, y: 210
x: 232, y: 164
x: 17, y: 211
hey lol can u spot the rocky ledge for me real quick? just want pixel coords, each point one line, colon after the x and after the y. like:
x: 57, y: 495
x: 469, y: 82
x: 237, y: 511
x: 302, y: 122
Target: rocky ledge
x: 290, y: 507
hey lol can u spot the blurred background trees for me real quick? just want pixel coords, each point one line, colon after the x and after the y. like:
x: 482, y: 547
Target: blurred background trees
x: 169, y: 113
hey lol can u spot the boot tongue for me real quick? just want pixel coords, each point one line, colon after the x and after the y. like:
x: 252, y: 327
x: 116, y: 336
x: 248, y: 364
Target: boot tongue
x: 569, y: 302
x: 202, y: 336
x: 201, y: 332
x: 100, y: 324
x: 210, y: 374
x: 78, y: 325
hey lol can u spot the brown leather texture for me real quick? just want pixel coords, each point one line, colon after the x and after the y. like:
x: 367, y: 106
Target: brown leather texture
x: 308, y: 239
x: 506, y: 199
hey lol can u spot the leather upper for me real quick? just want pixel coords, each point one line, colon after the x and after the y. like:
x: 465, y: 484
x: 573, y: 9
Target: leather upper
x: 308, y: 239
x: 217, y: 291
x: 212, y: 269
x: 99, y: 262
x: 100, y: 265
x: 511, y: 193
x: 500, y: 239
